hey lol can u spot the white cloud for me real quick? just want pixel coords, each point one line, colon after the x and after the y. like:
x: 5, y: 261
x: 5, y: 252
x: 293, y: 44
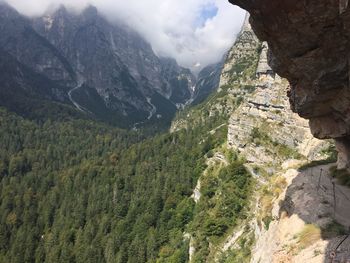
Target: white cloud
x: 183, y: 29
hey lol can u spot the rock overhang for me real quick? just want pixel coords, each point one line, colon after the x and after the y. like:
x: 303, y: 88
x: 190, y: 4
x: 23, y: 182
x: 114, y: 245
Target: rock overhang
x: 310, y: 46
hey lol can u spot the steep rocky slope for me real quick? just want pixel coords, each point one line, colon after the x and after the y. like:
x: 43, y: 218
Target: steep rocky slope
x: 108, y: 69
x: 263, y: 134
x: 242, y: 58
x: 297, y: 214
x: 266, y: 111
x: 309, y: 219
x: 265, y: 118
x: 207, y: 81
x: 309, y: 46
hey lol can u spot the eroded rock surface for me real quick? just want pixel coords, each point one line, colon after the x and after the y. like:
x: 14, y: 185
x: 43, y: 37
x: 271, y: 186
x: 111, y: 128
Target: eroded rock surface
x: 264, y: 119
x: 309, y: 43
x: 306, y: 206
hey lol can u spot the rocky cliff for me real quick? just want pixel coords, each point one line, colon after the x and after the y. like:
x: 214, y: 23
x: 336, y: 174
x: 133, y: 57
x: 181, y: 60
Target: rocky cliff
x: 265, y: 111
x: 242, y: 58
x: 309, y: 46
x: 207, y: 82
x: 298, y: 212
x: 107, y: 69
x: 265, y: 120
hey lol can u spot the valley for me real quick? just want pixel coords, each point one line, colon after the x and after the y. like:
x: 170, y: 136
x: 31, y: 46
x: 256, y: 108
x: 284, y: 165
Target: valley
x: 145, y: 162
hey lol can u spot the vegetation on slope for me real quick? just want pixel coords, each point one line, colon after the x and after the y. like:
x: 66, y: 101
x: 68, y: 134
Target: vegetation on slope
x: 223, y: 206
x: 75, y: 190
x: 79, y: 191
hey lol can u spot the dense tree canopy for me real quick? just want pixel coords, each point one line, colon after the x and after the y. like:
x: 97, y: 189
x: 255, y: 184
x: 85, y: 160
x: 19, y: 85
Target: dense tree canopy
x: 79, y: 191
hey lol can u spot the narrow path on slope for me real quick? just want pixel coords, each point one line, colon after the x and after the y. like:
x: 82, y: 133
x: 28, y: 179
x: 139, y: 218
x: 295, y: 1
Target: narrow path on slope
x: 153, y: 110
x: 312, y: 197
x: 151, y: 114
x: 232, y: 240
x: 76, y: 104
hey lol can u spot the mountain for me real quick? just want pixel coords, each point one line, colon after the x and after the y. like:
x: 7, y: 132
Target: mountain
x: 207, y: 81
x: 238, y: 178
x: 245, y: 213
x: 289, y: 166
x: 105, y: 70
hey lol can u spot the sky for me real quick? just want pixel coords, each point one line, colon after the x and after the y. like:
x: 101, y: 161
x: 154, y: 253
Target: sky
x: 194, y: 32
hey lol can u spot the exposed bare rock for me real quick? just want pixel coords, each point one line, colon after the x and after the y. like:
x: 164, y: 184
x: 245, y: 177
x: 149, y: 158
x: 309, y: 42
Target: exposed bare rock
x: 244, y: 48
x: 295, y: 211
x: 267, y: 113
x: 309, y: 43
x: 343, y: 148
x: 265, y: 119
x: 263, y: 66
x: 108, y: 69
x: 307, y: 206
x: 265, y: 109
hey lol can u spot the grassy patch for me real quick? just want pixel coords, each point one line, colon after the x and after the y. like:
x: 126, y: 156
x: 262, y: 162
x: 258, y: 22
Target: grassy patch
x: 270, y: 192
x: 309, y: 235
x: 241, y: 254
x: 282, y: 151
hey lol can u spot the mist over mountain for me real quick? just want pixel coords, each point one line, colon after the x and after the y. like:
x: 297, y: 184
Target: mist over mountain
x: 194, y: 32
x: 129, y: 135
x: 104, y: 70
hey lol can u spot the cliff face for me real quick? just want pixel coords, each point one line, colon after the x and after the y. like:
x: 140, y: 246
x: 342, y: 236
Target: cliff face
x: 292, y: 213
x: 242, y: 55
x: 309, y: 46
x: 296, y: 215
x: 264, y: 116
x: 107, y: 70
x: 265, y: 120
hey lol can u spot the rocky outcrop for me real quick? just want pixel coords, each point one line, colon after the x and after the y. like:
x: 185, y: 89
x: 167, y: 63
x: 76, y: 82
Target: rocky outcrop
x: 241, y: 56
x: 264, y: 119
x: 263, y: 65
x: 298, y: 215
x: 303, y: 227
x: 309, y: 44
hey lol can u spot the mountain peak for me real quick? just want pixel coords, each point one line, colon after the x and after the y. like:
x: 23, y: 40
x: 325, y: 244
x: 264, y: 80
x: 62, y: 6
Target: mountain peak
x: 105, y: 69
x: 246, y: 25
x: 90, y: 11
x: 7, y: 10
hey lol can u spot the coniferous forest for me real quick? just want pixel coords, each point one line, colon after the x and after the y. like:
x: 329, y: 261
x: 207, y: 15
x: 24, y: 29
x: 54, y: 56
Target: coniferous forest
x: 77, y: 186
x: 76, y: 190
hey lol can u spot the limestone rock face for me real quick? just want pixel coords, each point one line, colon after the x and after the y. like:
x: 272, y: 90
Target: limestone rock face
x: 301, y: 205
x: 263, y: 66
x: 275, y: 141
x: 309, y: 43
x: 246, y: 45
x: 264, y: 118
